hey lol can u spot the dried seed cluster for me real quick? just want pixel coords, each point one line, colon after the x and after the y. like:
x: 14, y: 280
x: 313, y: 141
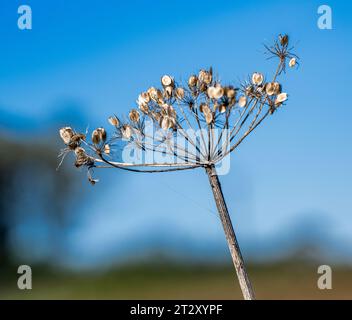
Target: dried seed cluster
x: 203, y: 103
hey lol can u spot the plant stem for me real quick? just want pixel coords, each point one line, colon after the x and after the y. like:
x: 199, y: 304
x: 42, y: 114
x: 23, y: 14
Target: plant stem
x: 235, y: 251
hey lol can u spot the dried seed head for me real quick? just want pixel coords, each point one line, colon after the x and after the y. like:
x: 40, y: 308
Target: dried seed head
x: 134, y: 115
x: 257, y: 78
x: 66, y: 134
x: 273, y: 88
x: 205, y: 76
x: 114, y: 121
x: 292, y: 62
x: 242, y: 101
x: 167, y: 81
x: 192, y: 81
x: 180, y: 93
x: 281, y: 98
x: 126, y: 131
x: 107, y: 149
x: 98, y: 135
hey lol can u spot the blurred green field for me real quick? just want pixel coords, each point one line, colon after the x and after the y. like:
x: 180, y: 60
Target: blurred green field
x: 170, y: 281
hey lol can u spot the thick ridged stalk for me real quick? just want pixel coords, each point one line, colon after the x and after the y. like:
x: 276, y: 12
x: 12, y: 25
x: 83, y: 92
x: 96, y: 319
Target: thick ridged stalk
x: 235, y: 251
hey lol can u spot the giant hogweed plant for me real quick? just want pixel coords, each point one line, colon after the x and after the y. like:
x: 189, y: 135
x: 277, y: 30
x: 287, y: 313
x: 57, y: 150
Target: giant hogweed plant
x: 190, y: 126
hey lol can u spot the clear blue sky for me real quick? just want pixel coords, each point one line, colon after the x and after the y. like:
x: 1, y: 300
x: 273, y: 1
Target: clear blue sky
x: 101, y: 54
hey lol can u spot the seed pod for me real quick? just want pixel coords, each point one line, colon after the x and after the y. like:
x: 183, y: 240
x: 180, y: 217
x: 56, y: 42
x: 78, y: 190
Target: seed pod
x: 242, y: 101
x: 209, y: 117
x: 180, y: 93
x: 283, y: 39
x: 144, y: 108
x: 114, y: 121
x: 126, y: 131
x: 143, y: 99
x: 222, y: 108
x: 292, y: 62
x: 81, y: 157
x: 204, y: 108
x: 257, y: 78
x: 155, y: 95
x: 134, y: 115
x: 218, y: 91
x: 66, y: 134
x: 249, y: 90
x: 107, y: 149
x: 281, y: 98
x: 205, y: 76
x: 192, y: 81
x: 98, y: 135
x: 168, y: 92
x: 230, y: 92
x: 210, y: 92
x: 167, y: 81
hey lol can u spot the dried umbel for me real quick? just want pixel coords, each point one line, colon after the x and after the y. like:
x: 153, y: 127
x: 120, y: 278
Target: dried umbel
x: 212, y: 118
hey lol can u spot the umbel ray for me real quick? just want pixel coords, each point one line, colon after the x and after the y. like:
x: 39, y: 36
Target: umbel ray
x: 192, y: 125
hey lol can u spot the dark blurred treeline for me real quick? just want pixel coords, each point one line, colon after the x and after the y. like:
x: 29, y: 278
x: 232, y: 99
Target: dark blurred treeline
x: 29, y: 183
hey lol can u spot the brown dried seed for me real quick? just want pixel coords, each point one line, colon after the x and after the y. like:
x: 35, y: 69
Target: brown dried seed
x: 205, y: 76
x: 192, y: 81
x: 257, y: 78
x: 167, y: 81
x: 281, y: 98
x: 66, y: 134
x: 222, y: 108
x: 204, y: 108
x: 126, y: 131
x: 134, y: 115
x: 114, y: 121
x: 242, y: 101
x: 107, y: 149
x: 292, y: 62
x: 209, y: 117
x: 98, y: 135
x: 180, y: 93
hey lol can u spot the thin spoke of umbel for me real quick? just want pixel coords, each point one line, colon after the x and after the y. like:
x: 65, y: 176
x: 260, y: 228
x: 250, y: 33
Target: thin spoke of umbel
x: 235, y: 251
